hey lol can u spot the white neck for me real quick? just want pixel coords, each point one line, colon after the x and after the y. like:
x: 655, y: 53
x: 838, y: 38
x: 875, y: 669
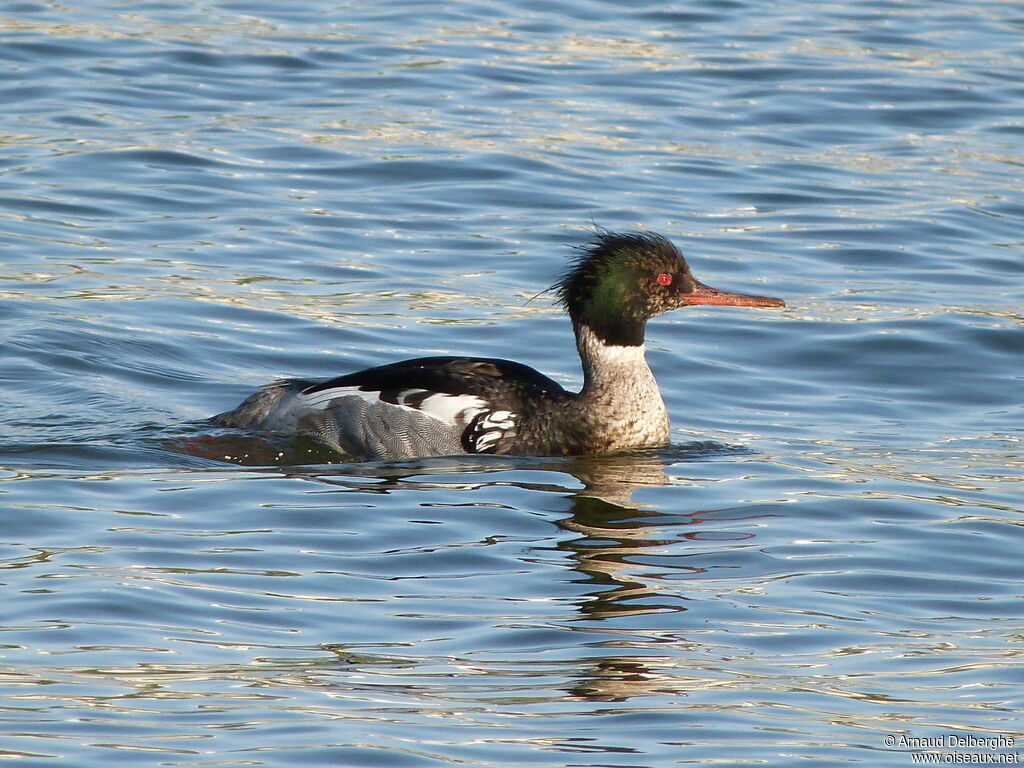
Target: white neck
x: 620, y: 399
x: 603, y: 363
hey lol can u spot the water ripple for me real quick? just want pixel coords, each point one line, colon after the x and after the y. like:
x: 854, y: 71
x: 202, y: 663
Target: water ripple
x: 199, y: 200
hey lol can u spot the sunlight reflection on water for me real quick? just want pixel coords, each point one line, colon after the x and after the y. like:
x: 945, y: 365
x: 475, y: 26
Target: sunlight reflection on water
x: 197, y: 201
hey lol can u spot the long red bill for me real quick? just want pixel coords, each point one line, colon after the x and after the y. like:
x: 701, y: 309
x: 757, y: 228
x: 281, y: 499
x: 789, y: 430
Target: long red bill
x: 705, y: 294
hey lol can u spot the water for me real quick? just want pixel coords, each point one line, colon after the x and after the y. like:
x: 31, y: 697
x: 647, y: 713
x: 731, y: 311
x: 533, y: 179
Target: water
x: 823, y: 567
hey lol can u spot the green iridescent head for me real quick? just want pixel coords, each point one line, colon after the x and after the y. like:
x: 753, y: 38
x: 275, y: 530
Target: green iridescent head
x: 621, y: 280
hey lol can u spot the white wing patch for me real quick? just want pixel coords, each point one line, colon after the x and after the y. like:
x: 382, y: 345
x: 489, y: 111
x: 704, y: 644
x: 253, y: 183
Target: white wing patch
x: 325, y: 397
x: 454, y: 410
x: 484, y: 434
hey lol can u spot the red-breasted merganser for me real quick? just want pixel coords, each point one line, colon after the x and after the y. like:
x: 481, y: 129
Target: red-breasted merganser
x: 437, y: 406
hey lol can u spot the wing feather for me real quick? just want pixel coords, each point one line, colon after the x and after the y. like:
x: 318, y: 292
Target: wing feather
x: 419, y: 407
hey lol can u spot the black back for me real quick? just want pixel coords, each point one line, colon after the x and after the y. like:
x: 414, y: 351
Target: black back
x: 502, y: 383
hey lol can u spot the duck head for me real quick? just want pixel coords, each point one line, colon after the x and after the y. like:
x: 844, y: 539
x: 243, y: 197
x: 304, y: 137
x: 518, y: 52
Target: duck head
x: 621, y: 280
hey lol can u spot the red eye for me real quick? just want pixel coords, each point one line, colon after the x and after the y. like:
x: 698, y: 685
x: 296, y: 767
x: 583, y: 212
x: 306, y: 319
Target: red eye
x: 664, y: 279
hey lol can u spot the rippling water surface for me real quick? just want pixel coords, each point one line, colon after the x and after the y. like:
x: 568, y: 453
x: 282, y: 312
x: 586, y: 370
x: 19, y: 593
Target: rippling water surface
x: 825, y: 566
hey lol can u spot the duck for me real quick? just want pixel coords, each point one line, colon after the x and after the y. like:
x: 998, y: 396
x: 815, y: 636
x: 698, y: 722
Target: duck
x: 450, y: 405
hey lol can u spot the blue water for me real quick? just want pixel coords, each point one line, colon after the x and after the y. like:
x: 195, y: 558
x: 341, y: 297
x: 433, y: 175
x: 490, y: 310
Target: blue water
x: 823, y: 567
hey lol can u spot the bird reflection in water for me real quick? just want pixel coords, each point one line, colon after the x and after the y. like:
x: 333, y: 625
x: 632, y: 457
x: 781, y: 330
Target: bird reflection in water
x: 632, y: 553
